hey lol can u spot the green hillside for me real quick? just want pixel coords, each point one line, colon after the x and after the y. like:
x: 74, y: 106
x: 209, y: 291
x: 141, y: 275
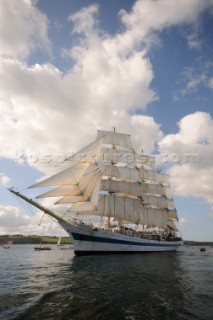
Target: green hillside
x: 32, y: 239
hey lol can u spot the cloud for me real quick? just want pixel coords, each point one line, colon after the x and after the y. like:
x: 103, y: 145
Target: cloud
x: 148, y: 17
x: 13, y: 221
x: 194, y: 42
x: 4, y: 180
x: 19, y: 31
x: 194, y: 77
x: 195, y: 136
x: 45, y: 111
x: 210, y: 83
x: 84, y: 19
x: 185, y: 221
x: 42, y: 107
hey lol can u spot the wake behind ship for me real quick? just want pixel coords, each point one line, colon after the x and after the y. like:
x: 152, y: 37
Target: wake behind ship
x: 129, y: 201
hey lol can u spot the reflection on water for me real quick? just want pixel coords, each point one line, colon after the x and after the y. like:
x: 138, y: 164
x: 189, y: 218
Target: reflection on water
x: 56, y: 285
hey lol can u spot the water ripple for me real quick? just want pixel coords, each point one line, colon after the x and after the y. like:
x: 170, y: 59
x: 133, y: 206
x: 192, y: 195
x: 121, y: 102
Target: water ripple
x: 56, y: 285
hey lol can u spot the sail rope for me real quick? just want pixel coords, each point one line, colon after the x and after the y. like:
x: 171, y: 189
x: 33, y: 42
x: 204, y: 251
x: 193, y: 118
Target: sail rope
x: 29, y: 210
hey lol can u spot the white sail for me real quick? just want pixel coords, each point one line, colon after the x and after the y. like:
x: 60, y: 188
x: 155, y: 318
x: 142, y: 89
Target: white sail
x: 59, y: 241
x: 115, y: 139
x: 131, y: 188
x: 88, y: 154
x: 171, y: 225
x: 154, y: 217
x: 84, y: 194
x: 114, y: 155
x: 135, y: 188
x: 69, y: 176
x: 61, y: 191
x: 160, y: 202
x: 108, y: 181
x: 84, y: 206
x: 119, y: 207
x: 154, y: 188
x: 126, y: 209
x: 153, y: 176
x: 123, y: 173
x: 68, y: 189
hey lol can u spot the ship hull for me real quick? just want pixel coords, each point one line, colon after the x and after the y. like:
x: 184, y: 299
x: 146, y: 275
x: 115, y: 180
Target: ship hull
x: 87, y: 241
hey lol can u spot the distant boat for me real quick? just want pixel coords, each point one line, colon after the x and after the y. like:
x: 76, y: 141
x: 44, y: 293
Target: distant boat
x: 41, y: 248
x: 61, y: 245
x: 59, y: 241
x: 65, y: 248
x: 202, y: 249
x: 8, y: 245
x: 44, y: 247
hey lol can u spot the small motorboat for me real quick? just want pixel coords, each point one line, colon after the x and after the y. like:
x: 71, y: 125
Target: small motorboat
x: 202, y: 249
x: 41, y: 248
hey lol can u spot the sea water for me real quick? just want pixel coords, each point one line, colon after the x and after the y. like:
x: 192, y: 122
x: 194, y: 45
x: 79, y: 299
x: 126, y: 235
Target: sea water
x: 56, y: 285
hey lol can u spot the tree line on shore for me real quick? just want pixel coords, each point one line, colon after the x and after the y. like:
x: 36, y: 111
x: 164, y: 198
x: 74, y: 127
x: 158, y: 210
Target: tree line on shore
x: 32, y: 239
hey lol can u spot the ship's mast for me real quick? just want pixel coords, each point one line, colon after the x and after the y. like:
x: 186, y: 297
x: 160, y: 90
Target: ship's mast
x: 108, y: 219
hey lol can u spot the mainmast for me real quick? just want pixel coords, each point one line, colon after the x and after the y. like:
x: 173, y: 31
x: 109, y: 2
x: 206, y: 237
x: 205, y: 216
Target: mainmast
x: 113, y: 147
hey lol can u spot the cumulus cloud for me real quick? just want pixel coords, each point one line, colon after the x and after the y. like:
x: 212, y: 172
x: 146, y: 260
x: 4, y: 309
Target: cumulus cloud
x: 42, y: 108
x: 195, y: 136
x: 45, y: 111
x: 148, y: 17
x: 19, y: 31
x: 13, y: 221
x: 4, y: 180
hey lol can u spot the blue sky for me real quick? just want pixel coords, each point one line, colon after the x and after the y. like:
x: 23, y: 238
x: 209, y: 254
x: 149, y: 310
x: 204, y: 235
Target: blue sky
x: 69, y: 68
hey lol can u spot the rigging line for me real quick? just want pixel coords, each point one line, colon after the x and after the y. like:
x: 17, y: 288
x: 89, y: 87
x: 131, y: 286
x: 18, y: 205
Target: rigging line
x: 28, y: 207
x: 31, y: 214
x: 41, y: 218
x: 25, y: 209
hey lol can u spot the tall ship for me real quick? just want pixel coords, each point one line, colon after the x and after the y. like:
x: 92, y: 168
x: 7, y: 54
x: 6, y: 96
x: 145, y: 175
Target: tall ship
x: 116, y: 200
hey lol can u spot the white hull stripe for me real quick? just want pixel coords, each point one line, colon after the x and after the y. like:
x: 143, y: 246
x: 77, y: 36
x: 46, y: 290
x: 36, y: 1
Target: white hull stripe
x: 83, y: 237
